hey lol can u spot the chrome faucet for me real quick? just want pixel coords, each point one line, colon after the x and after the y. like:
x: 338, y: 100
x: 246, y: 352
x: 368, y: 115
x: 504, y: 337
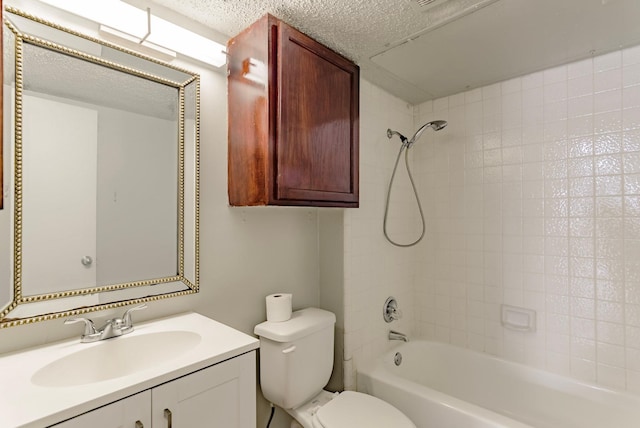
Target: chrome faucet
x: 396, y: 335
x: 113, y: 328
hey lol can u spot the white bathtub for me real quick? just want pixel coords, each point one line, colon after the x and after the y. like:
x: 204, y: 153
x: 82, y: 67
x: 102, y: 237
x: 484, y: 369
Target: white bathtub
x: 442, y: 386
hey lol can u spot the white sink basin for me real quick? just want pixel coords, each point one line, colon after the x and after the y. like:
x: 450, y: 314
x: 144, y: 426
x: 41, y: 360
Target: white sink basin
x: 117, y: 357
x: 60, y: 380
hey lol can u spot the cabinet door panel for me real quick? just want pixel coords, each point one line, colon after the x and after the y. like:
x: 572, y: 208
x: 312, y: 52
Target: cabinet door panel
x: 317, y: 121
x: 219, y: 396
x: 293, y: 120
x: 121, y: 414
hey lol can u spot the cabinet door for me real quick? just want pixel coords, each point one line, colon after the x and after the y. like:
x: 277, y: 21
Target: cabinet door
x: 131, y: 412
x: 221, y: 396
x: 317, y: 122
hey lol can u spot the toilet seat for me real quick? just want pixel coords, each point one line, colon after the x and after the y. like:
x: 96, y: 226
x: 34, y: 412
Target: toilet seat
x: 354, y: 409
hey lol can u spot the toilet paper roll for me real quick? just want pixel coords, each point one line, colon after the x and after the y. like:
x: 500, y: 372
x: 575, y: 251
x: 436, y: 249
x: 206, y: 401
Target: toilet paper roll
x: 279, y: 307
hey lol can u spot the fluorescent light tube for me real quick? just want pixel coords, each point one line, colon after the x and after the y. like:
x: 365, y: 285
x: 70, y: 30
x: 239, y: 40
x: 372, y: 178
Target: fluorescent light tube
x: 134, y: 23
x: 112, y: 13
x: 174, y: 37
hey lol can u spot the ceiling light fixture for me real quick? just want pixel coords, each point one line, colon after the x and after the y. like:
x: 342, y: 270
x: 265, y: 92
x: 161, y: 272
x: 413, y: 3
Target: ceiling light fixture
x: 140, y: 26
x: 134, y: 43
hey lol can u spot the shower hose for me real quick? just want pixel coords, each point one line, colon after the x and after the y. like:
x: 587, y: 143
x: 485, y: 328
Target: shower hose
x: 404, y: 147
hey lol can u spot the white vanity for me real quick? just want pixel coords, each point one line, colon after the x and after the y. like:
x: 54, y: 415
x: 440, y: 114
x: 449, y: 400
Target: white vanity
x: 184, y: 371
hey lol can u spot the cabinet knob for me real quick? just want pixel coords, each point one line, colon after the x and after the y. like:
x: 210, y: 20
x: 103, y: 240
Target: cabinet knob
x: 168, y: 416
x: 139, y: 424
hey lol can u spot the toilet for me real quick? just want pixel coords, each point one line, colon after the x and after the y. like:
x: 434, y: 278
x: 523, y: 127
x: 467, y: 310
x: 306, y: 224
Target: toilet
x: 296, y: 360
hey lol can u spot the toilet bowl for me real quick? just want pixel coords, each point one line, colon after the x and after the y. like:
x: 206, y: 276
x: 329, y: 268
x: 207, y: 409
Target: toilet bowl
x: 348, y: 409
x: 296, y: 360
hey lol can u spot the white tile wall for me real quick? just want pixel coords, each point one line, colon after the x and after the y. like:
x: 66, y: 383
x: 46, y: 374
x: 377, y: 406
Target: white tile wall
x: 532, y: 198
x: 373, y: 268
x: 532, y: 195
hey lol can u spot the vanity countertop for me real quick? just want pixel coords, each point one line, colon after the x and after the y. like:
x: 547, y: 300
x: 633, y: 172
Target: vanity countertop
x: 25, y: 403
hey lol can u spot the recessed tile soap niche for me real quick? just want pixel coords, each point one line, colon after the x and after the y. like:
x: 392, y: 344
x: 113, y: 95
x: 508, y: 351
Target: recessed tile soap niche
x: 518, y: 319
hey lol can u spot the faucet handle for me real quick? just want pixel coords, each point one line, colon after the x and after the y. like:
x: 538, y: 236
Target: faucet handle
x: 127, y: 315
x: 89, y: 327
x: 390, y: 310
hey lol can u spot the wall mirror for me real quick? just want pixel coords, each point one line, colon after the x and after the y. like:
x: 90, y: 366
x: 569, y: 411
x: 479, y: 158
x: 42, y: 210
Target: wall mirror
x: 101, y: 175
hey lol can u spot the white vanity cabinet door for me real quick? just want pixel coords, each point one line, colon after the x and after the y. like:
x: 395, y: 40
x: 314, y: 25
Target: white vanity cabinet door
x: 131, y: 412
x: 220, y: 396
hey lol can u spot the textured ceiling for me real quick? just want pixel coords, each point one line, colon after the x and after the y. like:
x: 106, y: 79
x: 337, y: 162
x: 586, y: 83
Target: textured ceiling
x: 424, y: 53
x: 358, y: 29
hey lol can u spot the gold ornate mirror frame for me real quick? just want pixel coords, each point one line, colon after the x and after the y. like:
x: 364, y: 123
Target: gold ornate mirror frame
x: 191, y: 284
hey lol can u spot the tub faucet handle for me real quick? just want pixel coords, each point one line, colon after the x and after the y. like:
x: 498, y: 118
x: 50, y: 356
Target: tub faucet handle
x: 390, y: 311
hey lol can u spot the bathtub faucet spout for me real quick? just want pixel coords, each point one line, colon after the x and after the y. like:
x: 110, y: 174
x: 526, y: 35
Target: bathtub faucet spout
x: 396, y: 335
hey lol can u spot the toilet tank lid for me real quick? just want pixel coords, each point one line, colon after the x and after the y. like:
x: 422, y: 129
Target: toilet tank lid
x: 302, y: 323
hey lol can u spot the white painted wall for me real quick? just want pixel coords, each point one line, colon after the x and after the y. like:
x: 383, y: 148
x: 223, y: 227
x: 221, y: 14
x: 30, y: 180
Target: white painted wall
x: 137, y: 204
x: 245, y: 254
x: 331, y: 246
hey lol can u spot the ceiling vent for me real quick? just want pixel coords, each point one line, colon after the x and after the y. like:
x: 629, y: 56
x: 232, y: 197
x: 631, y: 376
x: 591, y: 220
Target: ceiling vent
x: 424, y: 5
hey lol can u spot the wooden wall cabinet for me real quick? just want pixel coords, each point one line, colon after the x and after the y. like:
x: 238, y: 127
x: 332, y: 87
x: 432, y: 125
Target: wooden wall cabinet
x: 293, y: 120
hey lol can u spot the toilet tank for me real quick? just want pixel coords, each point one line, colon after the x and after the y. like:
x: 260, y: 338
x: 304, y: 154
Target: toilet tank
x: 296, y: 356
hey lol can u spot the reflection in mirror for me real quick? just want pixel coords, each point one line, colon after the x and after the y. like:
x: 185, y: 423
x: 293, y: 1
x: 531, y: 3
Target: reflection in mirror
x: 1, y: 150
x: 104, y: 175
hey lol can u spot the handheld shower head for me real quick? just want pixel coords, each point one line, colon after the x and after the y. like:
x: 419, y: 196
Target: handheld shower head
x: 436, y: 125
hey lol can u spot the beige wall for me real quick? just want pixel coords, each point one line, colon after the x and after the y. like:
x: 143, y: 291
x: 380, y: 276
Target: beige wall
x: 246, y: 253
x: 331, y: 244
